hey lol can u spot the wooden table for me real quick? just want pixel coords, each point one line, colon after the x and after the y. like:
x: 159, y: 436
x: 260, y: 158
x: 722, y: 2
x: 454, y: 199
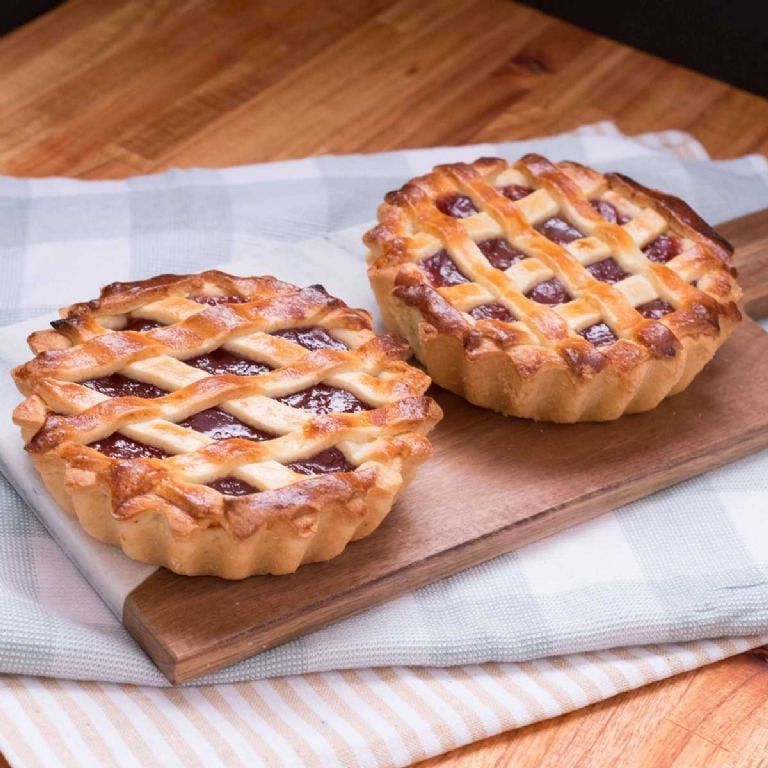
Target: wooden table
x: 110, y: 88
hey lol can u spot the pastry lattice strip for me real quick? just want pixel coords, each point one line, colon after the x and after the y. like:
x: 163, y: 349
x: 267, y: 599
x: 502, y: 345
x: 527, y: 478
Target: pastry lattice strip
x: 561, y: 196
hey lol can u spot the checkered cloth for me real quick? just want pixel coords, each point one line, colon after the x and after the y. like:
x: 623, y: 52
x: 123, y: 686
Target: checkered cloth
x: 689, y: 562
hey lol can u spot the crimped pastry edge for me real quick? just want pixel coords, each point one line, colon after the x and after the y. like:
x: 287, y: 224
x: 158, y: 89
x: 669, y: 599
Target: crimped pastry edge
x: 293, y: 538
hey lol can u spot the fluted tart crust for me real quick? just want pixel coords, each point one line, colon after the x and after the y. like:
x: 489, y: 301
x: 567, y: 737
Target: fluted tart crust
x: 551, y: 291
x: 223, y: 425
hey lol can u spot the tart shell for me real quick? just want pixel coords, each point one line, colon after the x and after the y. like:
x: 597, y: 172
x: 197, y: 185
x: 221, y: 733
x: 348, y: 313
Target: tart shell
x: 156, y: 515
x: 493, y: 364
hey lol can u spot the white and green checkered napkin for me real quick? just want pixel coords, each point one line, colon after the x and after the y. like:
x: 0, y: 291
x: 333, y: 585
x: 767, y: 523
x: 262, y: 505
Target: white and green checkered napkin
x: 688, y: 562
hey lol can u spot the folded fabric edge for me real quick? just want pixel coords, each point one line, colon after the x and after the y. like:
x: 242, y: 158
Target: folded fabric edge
x: 381, y: 718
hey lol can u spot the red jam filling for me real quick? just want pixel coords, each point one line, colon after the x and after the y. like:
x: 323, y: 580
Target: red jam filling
x: 598, y: 334
x: 559, y: 231
x: 117, y: 385
x: 609, y: 212
x: 310, y: 338
x: 121, y: 447
x: 221, y: 425
x: 549, y: 292
x: 663, y: 249
x: 500, y: 253
x: 607, y: 271
x: 220, y: 361
x: 458, y: 206
x: 214, y: 301
x: 322, y: 398
x: 140, y: 324
x: 515, y: 191
x: 655, y: 309
x: 232, y: 486
x: 492, y: 312
x: 442, y: 271
x: 329, y: 460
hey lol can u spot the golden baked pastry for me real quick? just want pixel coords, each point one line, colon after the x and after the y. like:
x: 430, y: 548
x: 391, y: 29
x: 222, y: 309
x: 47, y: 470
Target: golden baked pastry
x: 551, y: 291
x: 223, y: 425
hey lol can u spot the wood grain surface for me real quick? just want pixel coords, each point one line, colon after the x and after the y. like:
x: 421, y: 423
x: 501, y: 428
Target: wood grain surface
x: 750, y: 235
x: 110, y: 88
x: 522, y: 481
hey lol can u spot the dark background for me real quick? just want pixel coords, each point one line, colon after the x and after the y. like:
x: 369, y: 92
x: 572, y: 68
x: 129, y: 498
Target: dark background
x: 727, y: 40
x: 14, y: 13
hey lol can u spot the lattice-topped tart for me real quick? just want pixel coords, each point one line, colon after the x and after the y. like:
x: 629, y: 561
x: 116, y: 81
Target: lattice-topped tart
x: 551, y: 291
x: 223, y: 425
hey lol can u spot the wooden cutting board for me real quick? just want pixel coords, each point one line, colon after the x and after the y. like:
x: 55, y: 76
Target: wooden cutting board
x: 493, y: 485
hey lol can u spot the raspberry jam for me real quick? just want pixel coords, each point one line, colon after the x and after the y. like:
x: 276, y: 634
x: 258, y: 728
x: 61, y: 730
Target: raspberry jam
x: 442, y: 271
x: 215, y: 301
x: 140, y: 324
x: 221, y: 425
x: 607, y: 271
x: 232, y: 486
x: 121, y: 447
x: 458, y: 206
x: 117, y: 385
x: 322, y: 398
x: 329, y: 460
x: 609, y: 212
x: 549, y: 292
x: 500, y: 253
x: 655, y: 309
x: 310, y: 338
x: 598, y: 334
x: 515, y: 191
x: 220, y: 361
x: 663, y: 249
x: 492, y: 312
x: 558, y: 231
